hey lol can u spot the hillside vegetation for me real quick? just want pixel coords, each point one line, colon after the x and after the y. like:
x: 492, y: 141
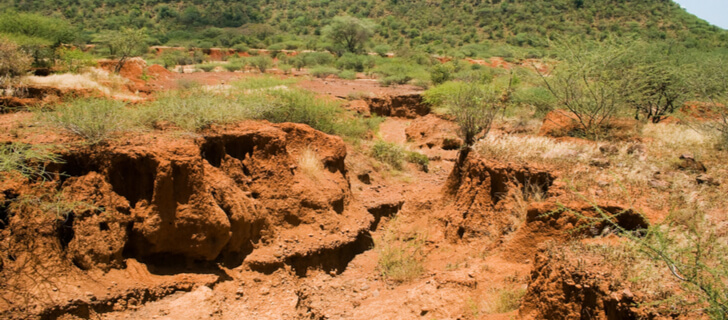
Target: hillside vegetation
x: 430, y: 26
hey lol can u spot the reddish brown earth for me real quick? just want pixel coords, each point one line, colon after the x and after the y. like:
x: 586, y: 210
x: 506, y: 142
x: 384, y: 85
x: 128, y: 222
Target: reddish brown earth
x: 227, y: 224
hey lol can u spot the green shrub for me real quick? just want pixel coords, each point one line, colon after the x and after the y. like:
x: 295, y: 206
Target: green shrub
x: 347, y: 74
x: 400, y: 253
x: 538, y: 97
x: 190, y: 110
x: 357, y: 127
x: 262, y: 82
x: 74, y: 60
x: 316, y: 58
x: 419, y: 159
x: 441, y: 73
x: 399, y: 71
x: 395, y: 79
x: 323, y: 72
x: 92, y: 119
x: 285, y: 68
x: 206, y: 67
x: 508, y: 300
x: 358, y: 63
x: 389, y: 153
x: 174, y: 57
x: 13, y: 60
x: 234, y: 65
x: 437, y: 96
x: 382, y: 50
x: 261, y: 63
x: 241, y: 47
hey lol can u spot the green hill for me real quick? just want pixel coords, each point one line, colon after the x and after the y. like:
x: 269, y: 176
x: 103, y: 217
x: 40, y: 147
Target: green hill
x: 427, y: 25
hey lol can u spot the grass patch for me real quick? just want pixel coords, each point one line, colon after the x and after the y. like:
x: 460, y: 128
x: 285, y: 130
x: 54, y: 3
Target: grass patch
x: 262, y: 82
x: 400, y: 254
x: 27, y: 160
x: 92, y: 119
x: 390, y: 153
x: 323, y: 71
x: 395, y: 155
x: 191, y: 111
x: 507, y: 300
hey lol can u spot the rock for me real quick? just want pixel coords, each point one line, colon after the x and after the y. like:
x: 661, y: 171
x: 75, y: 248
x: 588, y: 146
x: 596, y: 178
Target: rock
x: 600, y: 163
x: 558, y: 123
x: 707, y: 180
x: 688, y: 163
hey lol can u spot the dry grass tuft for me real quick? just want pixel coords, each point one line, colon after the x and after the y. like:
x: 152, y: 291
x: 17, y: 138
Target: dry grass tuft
x: 534, y: 149
x: 310, y: 164
x: 93, y: 79
x: 400, y: 253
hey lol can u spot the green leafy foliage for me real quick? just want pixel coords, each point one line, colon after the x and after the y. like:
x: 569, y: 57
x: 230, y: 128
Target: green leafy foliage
x: 74, y: 60
x: 462, y: 29
x: 348, y: 34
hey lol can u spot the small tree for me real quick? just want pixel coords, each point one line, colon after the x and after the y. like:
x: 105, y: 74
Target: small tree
x: 658, y: 80
x: 590, y: 82
x: 124, y: 44
x: 13, y: 61
x: 474, y: 107
x: 348, y: 34
x: 712, y: 87
x: 262, y: 63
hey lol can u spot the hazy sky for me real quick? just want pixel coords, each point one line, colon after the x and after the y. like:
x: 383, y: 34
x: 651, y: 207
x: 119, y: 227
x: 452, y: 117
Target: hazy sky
x: 713, y: 11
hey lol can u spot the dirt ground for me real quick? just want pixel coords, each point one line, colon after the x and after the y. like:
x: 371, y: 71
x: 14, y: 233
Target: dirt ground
x: 230, y: 224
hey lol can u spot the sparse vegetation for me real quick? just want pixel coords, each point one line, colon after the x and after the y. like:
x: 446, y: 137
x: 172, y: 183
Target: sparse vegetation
x: 590, y: 83
x: 507, y: 300
x: 27, y: 160
x: 92, y: 119
x: 389, y: 153
x: 400, y: 255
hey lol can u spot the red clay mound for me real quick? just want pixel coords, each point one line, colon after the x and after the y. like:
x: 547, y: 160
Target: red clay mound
x: 559, y: 123
x: 432, y: 131
x: 575, y: 283
x: 485, y: 195
x: 406, y: 106
x: 236, y: 195
x: 562, y: 123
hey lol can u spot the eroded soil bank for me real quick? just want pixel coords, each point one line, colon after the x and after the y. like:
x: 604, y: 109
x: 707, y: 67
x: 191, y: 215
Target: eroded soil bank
x: 235, y: 223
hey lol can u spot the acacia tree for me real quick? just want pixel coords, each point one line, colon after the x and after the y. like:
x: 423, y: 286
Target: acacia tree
x: 474, y: 106
x: 658, y: 81
x: 348, y: 34
x: 712, y: 88
x: 123, y: 44
x: 590, y: 82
